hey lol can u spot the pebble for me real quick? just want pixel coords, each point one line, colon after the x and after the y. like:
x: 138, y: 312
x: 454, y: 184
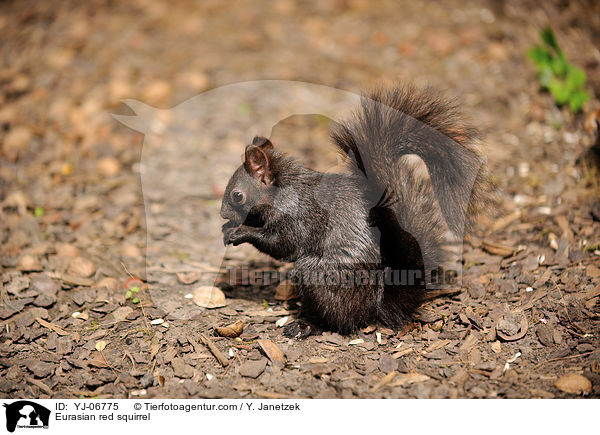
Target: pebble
x: 28, y: 263
x: 82, y: 267
x: 108, y: 166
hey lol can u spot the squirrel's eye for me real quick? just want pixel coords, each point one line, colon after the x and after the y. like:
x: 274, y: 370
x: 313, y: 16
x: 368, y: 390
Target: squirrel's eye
x: 238, y: 197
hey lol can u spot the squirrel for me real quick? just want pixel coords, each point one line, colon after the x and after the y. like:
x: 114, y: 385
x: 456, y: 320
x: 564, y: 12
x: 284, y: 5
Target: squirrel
x: 347, y: 233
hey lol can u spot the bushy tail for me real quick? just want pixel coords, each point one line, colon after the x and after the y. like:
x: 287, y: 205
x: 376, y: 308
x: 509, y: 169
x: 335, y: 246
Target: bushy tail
x: 392, y: 123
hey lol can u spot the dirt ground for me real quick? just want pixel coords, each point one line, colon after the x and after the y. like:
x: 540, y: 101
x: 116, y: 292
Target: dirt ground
x: 74, y: 230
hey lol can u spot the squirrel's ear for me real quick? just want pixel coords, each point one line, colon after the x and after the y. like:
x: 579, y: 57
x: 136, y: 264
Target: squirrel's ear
x: 263, y: 143
x: 257, y: 163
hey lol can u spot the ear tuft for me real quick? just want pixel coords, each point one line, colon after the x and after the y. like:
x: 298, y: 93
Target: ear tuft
x: 262, y: 142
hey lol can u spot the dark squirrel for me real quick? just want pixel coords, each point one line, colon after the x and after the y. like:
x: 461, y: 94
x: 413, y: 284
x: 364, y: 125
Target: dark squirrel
x: 384, y: 215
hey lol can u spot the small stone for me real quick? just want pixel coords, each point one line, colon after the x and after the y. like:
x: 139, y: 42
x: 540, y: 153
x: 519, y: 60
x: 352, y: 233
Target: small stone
x: 108, y: 166
x: 28, y: 263
x: 253, y: 369
x: 82, y: 267
x: 66, y: 250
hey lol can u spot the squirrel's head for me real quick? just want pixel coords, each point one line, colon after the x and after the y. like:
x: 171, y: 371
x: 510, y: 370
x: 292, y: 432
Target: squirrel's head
x: 251, y: 187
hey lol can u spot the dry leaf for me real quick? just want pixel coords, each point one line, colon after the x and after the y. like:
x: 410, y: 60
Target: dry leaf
x: 497, y: 249
x: 272, y: 351
x: 100, y: 345
x: 285, y: 291
x: 231, y: 331
x: 209, y: 297
x: 154, y: 347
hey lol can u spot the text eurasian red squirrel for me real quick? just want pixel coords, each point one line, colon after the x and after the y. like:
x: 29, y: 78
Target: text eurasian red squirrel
x: 382, y: 216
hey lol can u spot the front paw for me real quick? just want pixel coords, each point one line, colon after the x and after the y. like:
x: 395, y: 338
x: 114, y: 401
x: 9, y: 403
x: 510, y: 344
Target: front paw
x: 228, y: 229
x: 300, y: 329
x: 239, y: 236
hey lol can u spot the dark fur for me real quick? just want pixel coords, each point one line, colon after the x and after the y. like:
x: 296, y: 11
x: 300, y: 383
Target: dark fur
x: 382, y: 214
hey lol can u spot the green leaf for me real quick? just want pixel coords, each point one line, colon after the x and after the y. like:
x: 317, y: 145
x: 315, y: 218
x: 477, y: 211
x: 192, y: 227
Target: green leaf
x: 136, y: 300
x: 135, y: 289
x: 540, y: 56
x: 549, y: 39
x: 577, y: 100
x: 559, y: 90
x: 38, y: 212
x: 576, y: 77
x: 128, y: 294
x: 559, y: 66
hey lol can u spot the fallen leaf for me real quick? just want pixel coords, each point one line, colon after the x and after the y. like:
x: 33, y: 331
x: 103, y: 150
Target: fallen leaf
x: 497, y: 248
x: 154, y: 347
x: 100, y: 345
x: 233, y: 330
x: 272, y: 351
x: 285, y: 291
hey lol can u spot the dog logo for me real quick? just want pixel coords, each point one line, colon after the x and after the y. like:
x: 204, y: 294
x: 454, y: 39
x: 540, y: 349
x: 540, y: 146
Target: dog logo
x: 26, y: 414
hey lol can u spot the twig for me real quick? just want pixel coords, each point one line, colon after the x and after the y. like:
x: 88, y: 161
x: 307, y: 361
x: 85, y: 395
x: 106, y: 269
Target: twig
x: 563, y: 357
x: 214, y: 350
